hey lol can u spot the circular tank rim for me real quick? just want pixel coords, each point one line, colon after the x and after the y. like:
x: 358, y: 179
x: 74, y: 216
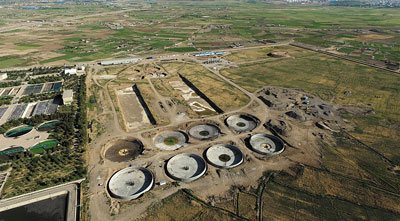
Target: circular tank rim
x: 186, y: 139
x: 252, y: 117
x: 109, y: 145
x: 135, y: 195
x: 271, y: 137
x: 205, y: 124
x: 229, y: 147
x: 199, y: 158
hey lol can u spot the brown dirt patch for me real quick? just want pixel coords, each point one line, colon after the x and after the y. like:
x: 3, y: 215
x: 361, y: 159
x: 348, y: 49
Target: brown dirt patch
x: 374, y: 37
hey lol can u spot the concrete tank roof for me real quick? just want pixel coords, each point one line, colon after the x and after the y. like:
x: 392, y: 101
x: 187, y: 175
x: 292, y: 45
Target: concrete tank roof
x: 170, y: 140
x: 204, y: 131
x: 266, y: 144
x: 224, y: 156
x: 242, y: 123
x: 130, y: 183
x: 186, y: 167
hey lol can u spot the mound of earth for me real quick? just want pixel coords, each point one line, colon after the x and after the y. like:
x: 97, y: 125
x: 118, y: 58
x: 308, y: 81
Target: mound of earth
x: 296, y: 115
x: 279, y: 126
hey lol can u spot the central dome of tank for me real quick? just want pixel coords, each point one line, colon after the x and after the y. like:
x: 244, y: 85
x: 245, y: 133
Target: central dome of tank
x: 204, y: 131
x: 170, y: 140
x: 130, y: 183
x: 242, y: 123
x: 186, y: 167
x: 266, y: 144
x: 224, y: 156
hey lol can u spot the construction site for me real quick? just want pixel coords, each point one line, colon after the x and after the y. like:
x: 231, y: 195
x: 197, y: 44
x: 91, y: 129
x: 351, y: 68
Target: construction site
x: 199, y: 110
x: 170, y: 129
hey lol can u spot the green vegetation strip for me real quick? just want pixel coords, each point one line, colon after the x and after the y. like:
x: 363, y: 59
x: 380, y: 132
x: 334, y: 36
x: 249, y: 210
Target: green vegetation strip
x: 17, y: 131
x: 45, y: 144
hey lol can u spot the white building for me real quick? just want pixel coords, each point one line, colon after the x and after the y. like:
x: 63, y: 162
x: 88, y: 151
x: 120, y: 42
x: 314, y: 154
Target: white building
x: 3, y: 76
x: 120, y: 61
x: 67, y: 97
x: 70, y: 71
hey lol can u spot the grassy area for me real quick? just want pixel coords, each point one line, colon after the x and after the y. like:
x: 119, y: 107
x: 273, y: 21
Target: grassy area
x: 224, y: 95
x: 249, y: 55
x: 247, y: 206
x: 11, y: 61
x: 26, y: 46
x: 195, y: 23
x: 183, y: 49
x: 286, y: 203
x: 189, y: 209
x: 328, y: 78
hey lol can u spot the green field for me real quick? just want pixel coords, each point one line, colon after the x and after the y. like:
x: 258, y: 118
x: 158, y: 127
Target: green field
x: 43, y: 146
x: 159, y: 31
x: 25, y: 46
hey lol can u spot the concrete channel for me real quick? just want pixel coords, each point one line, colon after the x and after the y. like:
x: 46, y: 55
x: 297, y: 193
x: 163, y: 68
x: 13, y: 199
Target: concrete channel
x: 144, y: 105
x: 71, y: 189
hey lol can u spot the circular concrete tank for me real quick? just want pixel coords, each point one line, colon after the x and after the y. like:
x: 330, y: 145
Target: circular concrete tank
x: 204, y: 131
x: 186, y: 167
x: 224, y: 156
x: 124, y: 150
x: 130, y: 183
x: 170, y: 140
x: 241, y: 122
x: 266, y: 144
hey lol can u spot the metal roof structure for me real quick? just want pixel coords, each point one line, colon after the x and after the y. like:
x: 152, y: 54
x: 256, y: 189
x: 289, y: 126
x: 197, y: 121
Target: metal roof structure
x: 120, y: 61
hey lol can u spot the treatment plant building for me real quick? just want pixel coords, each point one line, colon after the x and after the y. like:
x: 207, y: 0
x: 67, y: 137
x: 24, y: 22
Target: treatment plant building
x: 67, y: 97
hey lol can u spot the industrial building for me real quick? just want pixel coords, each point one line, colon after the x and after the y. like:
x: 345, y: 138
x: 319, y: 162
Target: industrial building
x: 67, y: 97
x: 206, y: 53
x: 120, y: 61
x: 72, y: 71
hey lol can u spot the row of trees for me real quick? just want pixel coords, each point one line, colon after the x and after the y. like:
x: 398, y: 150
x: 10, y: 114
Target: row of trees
x: 57, y: 165
x: 33, y: 121
x: 5, y: 100
x: 14, y: 75
x: 44, y: 79
x: 10, y: 84
x: 81, y: 120
x: 40, y: 97
x: 45, y: 70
